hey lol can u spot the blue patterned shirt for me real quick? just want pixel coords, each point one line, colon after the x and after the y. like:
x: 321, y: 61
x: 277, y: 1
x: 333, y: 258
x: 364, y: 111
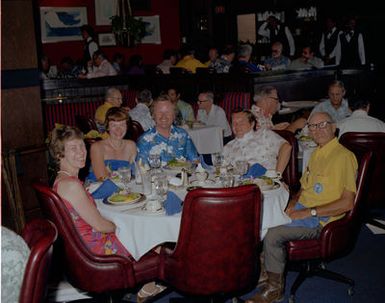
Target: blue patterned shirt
x: 178, y: 145
x: 337, y: 114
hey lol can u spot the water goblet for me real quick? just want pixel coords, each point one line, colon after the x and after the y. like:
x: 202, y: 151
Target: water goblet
x: 161, y: 186
x: 154, y: 161
x: 125, y: 175
x: 217, y: 160
x: 241, y: 167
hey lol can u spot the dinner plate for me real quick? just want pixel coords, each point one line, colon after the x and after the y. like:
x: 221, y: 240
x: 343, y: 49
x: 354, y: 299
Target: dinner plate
x: 131, y: 198
x: 205, y: 184
x: 178, y: 167
x: 300, y: 104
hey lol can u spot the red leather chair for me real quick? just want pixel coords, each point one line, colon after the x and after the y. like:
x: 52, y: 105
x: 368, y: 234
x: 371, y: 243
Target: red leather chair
x: 337, y: 239
x: 291, y: 175
x: 134, y: 130
x: 85, y: 124
x: 216, y: 251
x: 40, y: 235
x: 359, y: 143
x: 87, y: 271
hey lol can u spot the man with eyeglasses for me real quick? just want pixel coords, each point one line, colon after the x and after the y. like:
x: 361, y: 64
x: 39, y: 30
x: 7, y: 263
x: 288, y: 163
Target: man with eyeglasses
x: 113, y: 98
x: 211, y: 114
x: 266, y: 105
x: 327, y: 192
x: 277, y: 61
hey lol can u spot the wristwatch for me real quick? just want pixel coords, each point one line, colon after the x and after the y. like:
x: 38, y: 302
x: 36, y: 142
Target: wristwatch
x: 313, y: 212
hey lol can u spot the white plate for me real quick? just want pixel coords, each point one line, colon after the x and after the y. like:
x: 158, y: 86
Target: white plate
x: 124, y: 207
x: 208, y: 183
x: 300, y: 104
x: 139, y: 198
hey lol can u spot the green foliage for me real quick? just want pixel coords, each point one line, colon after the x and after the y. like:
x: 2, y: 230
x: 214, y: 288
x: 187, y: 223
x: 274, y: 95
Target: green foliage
x: 134, y: 27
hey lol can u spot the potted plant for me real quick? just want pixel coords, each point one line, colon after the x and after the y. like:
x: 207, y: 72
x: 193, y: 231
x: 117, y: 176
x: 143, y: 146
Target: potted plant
x: 128, y: 30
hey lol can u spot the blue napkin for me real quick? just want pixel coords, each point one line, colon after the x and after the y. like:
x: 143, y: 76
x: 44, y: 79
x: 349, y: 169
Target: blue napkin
x: 173, y: 204
x: 106, y: 189
x: 204, y: 164
x: 255, y: 170
x: 310, y: 222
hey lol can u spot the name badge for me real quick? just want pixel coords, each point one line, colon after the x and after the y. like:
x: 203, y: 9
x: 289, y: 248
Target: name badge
x: 318, y: 188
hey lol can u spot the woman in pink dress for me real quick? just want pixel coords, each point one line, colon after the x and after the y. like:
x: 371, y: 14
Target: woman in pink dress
x: 68, y: 149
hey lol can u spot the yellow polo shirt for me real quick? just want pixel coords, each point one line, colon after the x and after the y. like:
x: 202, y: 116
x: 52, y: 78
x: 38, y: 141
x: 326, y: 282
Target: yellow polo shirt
x: 331, y: 169
x: 190, y: 63
x: 100, y: 114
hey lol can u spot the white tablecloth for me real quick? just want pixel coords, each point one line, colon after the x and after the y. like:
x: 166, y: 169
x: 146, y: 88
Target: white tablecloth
x: 304, y: 152
x: 207, y: 139
x: 140, y: 231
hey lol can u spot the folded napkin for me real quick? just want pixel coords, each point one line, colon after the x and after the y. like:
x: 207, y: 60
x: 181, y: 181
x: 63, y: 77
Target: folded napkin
x: 310, y: 222
x: 173, y: 204
x: 106, y: 189
x: 255, y: 170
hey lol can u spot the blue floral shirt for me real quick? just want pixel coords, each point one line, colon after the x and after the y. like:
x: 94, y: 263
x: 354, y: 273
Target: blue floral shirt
x: 178, y: 145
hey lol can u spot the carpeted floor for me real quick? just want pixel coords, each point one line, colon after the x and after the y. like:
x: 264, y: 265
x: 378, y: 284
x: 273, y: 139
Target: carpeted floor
x: 365, y: 265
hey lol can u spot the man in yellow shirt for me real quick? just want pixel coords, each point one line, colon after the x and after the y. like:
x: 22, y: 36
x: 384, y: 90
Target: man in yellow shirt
x: 113, y: 98
x: 328, y: 188
x: 189, y: 62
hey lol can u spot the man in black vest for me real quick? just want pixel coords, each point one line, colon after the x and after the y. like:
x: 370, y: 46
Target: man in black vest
x: 328, y: 42
x: 350, y: 50
x: 90, y: 46
x: 275, y: 31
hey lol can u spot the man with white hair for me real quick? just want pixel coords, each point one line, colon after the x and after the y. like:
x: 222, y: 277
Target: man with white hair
x: 211, y: 114
x: 113, y: 98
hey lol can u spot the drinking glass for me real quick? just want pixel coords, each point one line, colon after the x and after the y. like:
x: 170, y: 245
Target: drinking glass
x: 154, y: 161
x: 217, y: 160
x: 241, y: 167
x: 161, y: 186
x: 125, y: 175
x: 227, y: 180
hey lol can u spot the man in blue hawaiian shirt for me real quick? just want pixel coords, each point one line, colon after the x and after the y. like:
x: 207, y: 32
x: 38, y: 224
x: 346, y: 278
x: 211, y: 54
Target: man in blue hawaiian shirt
x: 165, y: 139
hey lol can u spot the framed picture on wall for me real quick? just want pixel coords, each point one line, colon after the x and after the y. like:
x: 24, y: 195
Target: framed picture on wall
x: 62, y: 23
x: 106, y: 39
x: 104, y: 10
x: 152, y: 29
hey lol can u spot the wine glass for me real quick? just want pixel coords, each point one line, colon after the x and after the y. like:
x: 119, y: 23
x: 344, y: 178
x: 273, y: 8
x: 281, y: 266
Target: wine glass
x: 217, y: 159
x: 125, y: 175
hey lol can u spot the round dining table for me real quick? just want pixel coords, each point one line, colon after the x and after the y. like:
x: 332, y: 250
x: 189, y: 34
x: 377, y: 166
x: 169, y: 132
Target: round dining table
x: 140, y: 230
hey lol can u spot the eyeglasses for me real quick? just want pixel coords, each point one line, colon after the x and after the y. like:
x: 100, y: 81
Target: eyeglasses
x: 202, y: 101
x: 320, y: 125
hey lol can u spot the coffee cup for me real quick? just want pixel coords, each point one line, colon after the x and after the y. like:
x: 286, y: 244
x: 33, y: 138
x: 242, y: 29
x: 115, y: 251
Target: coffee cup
x: 153, y: 205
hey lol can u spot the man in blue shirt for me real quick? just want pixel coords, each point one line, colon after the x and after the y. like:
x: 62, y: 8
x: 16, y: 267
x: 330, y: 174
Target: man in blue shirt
x: 336, y: 106
x: 165, y: 139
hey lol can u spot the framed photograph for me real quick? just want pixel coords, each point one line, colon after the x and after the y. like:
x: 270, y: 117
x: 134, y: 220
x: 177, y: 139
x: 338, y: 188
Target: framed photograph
x: 152, y: 29
x: 107, y: 39
x: 62, y: 23
x: 104, y: 10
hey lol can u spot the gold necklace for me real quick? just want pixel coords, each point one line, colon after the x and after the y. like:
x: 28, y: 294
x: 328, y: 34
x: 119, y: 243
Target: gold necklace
x: 116, y: 147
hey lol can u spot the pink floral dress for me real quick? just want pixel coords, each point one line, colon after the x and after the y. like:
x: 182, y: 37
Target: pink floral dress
x: 98, y: 242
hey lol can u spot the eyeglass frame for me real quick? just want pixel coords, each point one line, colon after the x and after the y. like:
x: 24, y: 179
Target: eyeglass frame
x: 320, y: 125
x: 200, y: 101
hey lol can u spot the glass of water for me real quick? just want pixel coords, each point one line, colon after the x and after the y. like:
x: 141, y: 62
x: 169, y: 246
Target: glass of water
x: 241, y: 167
x: 125, y: 175
x: 154, y: 161
x: 161, y: 186
x: 217, y: 160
